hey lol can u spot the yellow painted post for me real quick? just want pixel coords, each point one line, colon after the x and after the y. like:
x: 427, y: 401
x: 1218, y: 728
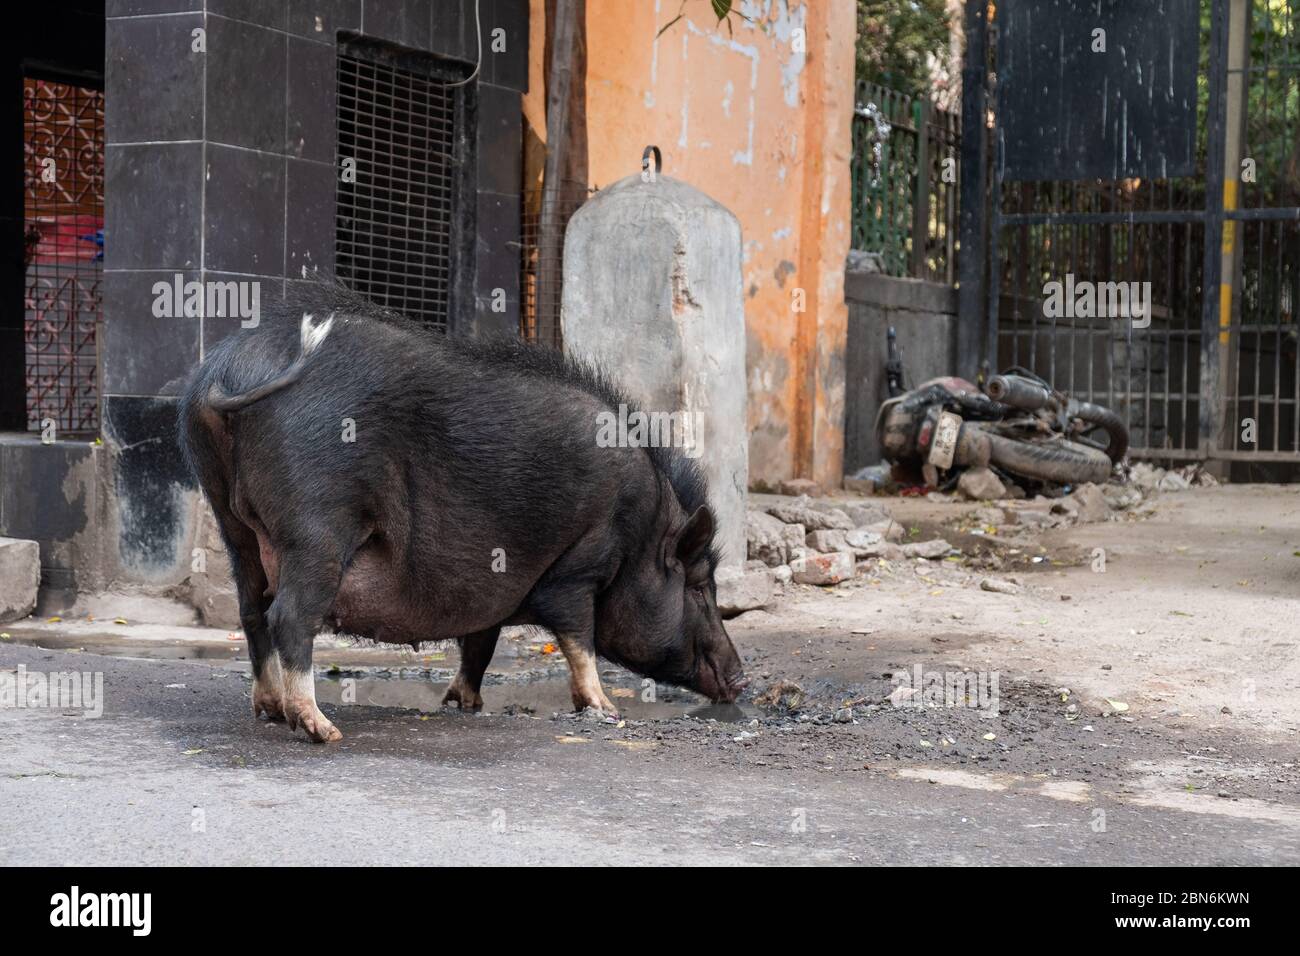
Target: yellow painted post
x: 1236, y: 93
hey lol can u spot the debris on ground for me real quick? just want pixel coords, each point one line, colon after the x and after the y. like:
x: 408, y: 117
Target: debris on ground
x: 769, y: 538
x: 980, y: 484
x: 998, y: 586
x: 1148, y: 477
x: 824, y: 569
x: 744, y: 589
x: 929, y: 550
x: 1089, y: 503
x: 801, y: 511
x: 784, y: 695
x: 800, y: 487
x: 825, y: 541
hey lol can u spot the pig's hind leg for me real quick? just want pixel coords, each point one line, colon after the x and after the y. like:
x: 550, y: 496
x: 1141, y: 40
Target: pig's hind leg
x: 251, y: 586
x: 307, y: 587
x: 475, y: 655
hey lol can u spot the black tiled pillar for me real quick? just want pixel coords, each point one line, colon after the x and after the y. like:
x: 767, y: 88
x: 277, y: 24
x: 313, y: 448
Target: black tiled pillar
x: 153, y: 230
x: 220, y: 166
x: 220, y: 160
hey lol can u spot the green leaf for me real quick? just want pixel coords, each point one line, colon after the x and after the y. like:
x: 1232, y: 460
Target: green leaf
x: 722, y: 8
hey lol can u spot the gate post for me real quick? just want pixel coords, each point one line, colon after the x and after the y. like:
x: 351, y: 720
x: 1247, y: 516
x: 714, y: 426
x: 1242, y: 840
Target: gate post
x: 1235, y: 104
x: 1213, y: 314
x: 974, y: 163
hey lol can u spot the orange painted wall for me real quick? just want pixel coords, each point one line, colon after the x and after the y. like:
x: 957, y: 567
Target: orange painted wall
x: 763, y: 128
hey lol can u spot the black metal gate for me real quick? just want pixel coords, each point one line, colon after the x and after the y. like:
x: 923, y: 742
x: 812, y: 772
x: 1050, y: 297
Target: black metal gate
x: 1167, y: 284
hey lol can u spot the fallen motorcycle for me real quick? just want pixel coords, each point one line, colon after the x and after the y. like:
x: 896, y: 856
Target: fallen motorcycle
x: 1019, y: 425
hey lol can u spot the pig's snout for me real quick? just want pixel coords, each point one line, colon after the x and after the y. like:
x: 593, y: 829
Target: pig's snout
x: 723, y: 679
x: 733, y: 689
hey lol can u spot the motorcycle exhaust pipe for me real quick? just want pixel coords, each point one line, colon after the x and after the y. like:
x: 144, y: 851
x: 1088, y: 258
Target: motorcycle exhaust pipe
x: 1030, y: 396
x: 1019, y: 392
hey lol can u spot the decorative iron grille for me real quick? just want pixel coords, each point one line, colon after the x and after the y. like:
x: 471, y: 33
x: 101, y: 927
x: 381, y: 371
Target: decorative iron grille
x: 63, y: 139
x: 906, y: 196
x: 394, y: 236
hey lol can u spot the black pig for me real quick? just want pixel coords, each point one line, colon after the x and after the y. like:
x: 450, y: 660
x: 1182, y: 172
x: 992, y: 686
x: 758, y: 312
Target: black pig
x: 390, y: 482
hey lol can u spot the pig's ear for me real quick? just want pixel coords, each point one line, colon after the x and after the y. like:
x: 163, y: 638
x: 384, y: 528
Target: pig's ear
x: 696, y: 537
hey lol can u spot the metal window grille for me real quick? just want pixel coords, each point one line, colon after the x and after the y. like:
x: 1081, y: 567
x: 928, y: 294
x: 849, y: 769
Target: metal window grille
x: 394, y: 236
x: 63, y: 140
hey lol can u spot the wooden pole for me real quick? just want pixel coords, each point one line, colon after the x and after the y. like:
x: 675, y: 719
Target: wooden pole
x: 551, y: 231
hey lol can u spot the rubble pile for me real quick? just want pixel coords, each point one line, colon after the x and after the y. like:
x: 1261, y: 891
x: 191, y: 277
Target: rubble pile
x: 1147, y: 477
x: 806, y: 541
x: 803, y: 540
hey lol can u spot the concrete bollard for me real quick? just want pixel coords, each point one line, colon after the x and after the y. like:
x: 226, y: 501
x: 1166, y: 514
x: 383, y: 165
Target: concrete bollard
x: 20, y: 576
x: 653, y: 293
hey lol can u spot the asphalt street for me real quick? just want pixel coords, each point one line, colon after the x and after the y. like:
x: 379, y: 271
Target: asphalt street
x: 176, y: 770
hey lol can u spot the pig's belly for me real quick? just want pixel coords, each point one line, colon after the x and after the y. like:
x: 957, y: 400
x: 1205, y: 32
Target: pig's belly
x: 376, y: 600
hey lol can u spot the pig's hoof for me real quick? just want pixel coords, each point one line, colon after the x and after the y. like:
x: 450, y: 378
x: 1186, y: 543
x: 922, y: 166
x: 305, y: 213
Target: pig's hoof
x: 599, y: 703
x: 268, y: 690
x: 315, y: 724
x: 462, y: 695
x: 267, y: 703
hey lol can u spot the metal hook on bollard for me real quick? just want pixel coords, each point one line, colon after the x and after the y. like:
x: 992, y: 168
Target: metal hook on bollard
x: 645, y: 163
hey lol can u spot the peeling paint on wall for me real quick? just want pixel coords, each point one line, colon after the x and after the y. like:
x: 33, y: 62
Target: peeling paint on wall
x: 743, y: 157
x: 783, y: 23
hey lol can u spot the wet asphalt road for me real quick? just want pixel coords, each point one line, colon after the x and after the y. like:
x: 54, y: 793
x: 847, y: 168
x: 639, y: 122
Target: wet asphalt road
x: 185, y: 775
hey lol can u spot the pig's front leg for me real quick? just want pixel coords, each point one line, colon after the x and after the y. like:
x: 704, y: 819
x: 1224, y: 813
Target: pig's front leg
x: 475, y: 655
x: 567, y: 611
x: 584, y: 680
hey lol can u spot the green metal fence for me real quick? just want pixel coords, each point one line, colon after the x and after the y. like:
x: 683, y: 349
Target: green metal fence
x: 906, y: 183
